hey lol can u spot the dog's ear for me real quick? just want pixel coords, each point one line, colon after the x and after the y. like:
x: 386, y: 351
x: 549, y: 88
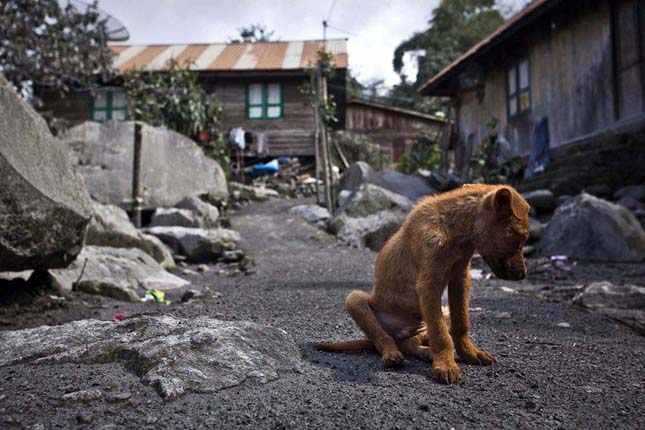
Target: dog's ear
x: 505, y: 201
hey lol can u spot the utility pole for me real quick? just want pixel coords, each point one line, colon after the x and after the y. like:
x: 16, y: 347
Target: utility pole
x: 322, y: 104
x: 136, y: 175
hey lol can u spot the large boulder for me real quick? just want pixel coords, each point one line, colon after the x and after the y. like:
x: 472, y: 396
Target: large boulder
x: 44, y: 208
x: 313, y: 214
x: 198, y: 245
x: 636, y: 192
x: 207, y: 215
x: 172, y: 355
x: 173, y: 166
x: 542, y: 200
x: 111, y: 226
x: 411, y: 186
x: 587, y: 227
x: 369, y: 216
x: 120, y: 273
x: 371, y: 231
x: 624, y: 303
x: 370, y: 199
x: 173, y: 217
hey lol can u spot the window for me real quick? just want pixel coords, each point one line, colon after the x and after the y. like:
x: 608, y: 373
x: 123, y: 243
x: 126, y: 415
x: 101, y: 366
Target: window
x: 264, y: 101
x: 109, y: 105
x: 518, y: 88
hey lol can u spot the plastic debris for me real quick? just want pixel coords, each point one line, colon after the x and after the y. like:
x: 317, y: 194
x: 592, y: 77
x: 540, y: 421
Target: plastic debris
x: 156, y: 296
x: 118, y: 317
x: 559, y: 258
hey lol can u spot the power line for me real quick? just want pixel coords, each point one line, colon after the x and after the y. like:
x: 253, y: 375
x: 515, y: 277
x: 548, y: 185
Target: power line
x: 331, y: 10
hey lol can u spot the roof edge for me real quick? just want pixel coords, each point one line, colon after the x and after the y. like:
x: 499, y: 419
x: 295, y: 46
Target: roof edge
x: 531, y: 11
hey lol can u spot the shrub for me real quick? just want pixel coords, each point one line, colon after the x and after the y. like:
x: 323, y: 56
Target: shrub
x: 424, y: 154
x: 359, y: 147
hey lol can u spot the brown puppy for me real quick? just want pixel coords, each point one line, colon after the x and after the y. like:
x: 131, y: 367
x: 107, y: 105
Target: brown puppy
x: 432, y: 250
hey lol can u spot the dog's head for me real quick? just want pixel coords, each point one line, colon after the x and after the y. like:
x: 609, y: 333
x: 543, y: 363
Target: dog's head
x: 502, y: 230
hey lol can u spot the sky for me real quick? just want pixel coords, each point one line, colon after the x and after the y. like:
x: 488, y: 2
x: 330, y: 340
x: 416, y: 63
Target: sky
x: 373, y: 27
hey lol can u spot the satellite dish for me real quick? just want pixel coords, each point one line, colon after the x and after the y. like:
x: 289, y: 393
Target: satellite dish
x: 115, y: 29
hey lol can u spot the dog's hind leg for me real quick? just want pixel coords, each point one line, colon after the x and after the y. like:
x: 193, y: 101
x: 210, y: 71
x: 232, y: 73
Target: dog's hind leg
x: 416, y: 346
x: 358, y: 306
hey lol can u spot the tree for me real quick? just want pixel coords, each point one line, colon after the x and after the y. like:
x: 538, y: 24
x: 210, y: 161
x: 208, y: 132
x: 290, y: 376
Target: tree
x: 175, y: 99
x: 42, y: 43
x: 253, y: 33
x: 455, y: 26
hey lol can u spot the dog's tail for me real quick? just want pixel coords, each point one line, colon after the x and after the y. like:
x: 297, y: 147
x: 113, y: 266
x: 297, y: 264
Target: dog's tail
x: 349, y: 346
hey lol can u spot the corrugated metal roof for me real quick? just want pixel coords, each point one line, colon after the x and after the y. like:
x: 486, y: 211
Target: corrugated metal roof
x: 404, y: 111
x: 489, y: 41
x: 291, y: 55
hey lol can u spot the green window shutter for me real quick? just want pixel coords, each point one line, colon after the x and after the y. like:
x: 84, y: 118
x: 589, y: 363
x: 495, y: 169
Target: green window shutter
x: 264, y: 101
x: 109, y: 105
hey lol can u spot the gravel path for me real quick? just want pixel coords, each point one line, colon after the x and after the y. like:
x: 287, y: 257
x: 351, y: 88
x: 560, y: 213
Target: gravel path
x: 587, y: 373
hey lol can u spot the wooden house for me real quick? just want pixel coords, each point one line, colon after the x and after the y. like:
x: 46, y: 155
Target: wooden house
x: 575, y: 67
x: 392, y: 127
x: 257, y: 84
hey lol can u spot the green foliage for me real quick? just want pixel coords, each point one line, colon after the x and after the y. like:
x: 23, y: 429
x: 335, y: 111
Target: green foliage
x: 175, y: 99
x: 455, y: 26
x: 424, y: 154
x: 359, y: 147
x: 310, y: 91
x: 484, y: 164
x: 253, y: 33
x: 43, y: 43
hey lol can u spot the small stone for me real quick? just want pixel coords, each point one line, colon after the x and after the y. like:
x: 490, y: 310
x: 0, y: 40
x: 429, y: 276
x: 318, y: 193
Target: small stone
x: 83, y: 395
x: 564, y: 325
x: 85, y: 417
x: 119, y: 397
x: 203, y: 268
x: 503, y: 315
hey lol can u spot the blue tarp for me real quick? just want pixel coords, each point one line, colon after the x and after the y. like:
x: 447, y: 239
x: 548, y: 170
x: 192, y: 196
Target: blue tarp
x: 266, y: 169
x: 539, y: 158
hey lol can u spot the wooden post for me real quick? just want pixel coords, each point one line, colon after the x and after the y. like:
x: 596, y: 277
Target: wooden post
x: 136, y: 176
x: 316, y: 141
x: 322, y: 103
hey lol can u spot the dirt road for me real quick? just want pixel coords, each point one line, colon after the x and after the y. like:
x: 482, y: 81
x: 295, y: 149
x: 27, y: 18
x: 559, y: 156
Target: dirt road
x: 557, y: 367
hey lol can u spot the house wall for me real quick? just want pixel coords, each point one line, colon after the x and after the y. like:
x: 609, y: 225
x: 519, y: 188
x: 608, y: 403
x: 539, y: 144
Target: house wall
x: 292, y: 135
x: 75, y: 107
x: 389, y: 129
x: 571, y: 78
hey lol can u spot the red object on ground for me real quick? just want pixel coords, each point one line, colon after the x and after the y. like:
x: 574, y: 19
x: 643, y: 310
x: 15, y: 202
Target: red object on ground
x: 118, y: 317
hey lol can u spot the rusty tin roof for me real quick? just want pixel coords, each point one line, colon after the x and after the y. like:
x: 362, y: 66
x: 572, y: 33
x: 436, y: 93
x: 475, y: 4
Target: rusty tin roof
x: 291, y: 55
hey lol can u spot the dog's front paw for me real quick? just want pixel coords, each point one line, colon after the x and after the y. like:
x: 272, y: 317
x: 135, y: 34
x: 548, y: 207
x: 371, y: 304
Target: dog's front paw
x: 391, y: 358
x: 477, y: 356
x: 446, y: 371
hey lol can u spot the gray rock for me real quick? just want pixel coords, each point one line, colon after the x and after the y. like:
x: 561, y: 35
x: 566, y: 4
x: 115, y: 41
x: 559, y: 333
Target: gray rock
x: 197, y: 244
x: 173, y: 166
x: 411, y: 186
x: 535, y: 230
x: 625, y: 303
x: 542, y: 200
x: 311, y: 213
x: 370, y: 199
x: 632, y: 204
x: 83, y: 395
x: 120, y: 273
x: 111, y: 226
x: 207, y: 215
x: 247, y: 193
x: 173, y: 217
x: 590, y: 228
x: 442, y: 181
x: 44, y: 208
x: 636, y: 192
x: 371, y: 231
x: 173, y: 355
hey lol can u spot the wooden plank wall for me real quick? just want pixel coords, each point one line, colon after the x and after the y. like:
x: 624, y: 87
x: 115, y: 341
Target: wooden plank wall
x: 387, y: 127
x: 571, y: 83
x: 292, y: 135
